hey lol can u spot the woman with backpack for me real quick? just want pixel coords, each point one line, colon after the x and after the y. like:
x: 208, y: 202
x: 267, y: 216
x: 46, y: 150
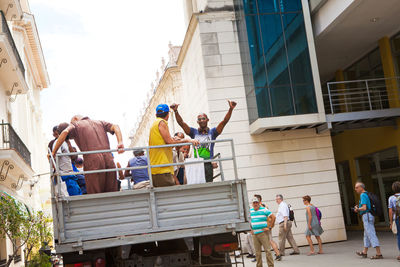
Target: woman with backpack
x: 394, y: 212
x: 313, y: 225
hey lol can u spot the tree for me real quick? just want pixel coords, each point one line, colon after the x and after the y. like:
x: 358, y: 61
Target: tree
x: 21, y: 226
x: 40, y: 233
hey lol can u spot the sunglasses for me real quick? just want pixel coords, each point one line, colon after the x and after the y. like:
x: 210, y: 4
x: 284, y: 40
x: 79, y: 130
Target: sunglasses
x: 202, y: 119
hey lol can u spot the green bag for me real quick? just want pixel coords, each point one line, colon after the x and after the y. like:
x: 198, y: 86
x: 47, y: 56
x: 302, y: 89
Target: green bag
x: 204, y: 153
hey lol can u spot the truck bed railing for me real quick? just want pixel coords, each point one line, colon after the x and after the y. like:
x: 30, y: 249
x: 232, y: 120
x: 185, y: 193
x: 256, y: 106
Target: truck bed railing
x: 153, y: 210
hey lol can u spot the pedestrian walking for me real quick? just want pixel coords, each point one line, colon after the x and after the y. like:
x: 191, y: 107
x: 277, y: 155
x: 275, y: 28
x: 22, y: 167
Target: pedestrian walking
x: 274, y: 246
x: 364, y: 209
x: 204, y: 133
x: 159, y: 135
x: 285, y: 227
x: 313, y: 226
x: 91, y: 135
x: 262, y: 221
x: 394, y: 212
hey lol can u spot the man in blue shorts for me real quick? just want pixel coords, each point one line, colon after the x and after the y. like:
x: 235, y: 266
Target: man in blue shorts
x: 204, y: 133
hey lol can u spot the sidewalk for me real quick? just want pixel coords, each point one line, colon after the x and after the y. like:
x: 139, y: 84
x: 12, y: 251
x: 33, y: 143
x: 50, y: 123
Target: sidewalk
x: 342, y: 254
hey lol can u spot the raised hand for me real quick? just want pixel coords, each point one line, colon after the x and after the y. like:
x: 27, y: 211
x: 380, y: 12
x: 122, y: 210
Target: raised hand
x: 232, y: 104
x: 174, y: 107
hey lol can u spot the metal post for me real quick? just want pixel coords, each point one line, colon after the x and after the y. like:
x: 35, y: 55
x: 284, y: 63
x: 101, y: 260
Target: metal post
x: 149, y: 167
x: 58, y: 176
x: 152, y: 198
x: 221, y: 170
x: 330, y: 98
x: 369, y: 97
x: 234, y: 160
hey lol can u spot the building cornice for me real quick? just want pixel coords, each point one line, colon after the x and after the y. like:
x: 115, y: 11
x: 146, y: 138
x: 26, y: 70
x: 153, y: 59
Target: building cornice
x: 188, y: 38
x: 33, y: 40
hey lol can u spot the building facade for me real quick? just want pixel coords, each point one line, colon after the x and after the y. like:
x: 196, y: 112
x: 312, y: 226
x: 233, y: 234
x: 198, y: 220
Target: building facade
x: 316, y: 84
x: 23, y: 75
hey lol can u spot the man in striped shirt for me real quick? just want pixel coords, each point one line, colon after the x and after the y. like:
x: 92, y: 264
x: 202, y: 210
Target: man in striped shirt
x: 262, y: 221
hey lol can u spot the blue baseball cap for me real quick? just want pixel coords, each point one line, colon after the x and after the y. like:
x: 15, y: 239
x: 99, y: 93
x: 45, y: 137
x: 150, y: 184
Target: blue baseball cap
x: 162, y: 108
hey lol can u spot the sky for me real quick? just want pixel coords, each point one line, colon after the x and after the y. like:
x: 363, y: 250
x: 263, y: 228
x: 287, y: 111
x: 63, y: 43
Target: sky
x: 102, y: 56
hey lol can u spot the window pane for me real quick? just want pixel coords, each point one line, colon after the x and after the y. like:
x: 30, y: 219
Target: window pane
x: 250, y: 7
x: 282, y: 104
x: 256, y: 53
x: 263, y: 102
x: 300, y: 65
x: 268, y: 6
x: 290, y: 5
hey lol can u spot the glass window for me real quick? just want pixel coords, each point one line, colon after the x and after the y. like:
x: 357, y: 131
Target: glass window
x: 279, y: 55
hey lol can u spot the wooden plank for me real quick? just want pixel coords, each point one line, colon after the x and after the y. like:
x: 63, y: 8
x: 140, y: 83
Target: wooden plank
x: 196, y: 205
x: 208, y: 218
x: 107, y: 231
x: 190, y: 192
x: 101, y: 208
x: 191, y: 212
x: 107, y: 222
x: 95, y: 202
x: 194, y: 198
x: 104, y: 215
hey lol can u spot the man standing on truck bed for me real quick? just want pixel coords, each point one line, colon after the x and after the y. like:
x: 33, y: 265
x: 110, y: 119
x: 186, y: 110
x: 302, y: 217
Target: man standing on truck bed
x: 159, y: 135
x: 91, y: 135
x: 203, y: 133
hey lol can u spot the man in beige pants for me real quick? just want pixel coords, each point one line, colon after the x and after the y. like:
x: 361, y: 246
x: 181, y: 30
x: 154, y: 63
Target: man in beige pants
x: 285, y: 227
x: 262, y: 221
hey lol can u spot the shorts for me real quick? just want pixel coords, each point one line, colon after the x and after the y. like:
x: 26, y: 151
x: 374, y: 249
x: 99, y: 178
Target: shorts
x: 163, y: 179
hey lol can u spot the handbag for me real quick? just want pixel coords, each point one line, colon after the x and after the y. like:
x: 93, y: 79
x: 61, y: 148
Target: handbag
x: 394, y: 227
x: 195, y: 173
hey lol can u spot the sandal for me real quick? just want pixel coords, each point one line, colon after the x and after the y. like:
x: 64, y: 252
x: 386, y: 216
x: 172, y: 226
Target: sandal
x: 361, y: 254
x: 377, y: 257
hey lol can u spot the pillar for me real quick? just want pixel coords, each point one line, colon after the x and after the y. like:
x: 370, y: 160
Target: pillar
x: 389, y: 72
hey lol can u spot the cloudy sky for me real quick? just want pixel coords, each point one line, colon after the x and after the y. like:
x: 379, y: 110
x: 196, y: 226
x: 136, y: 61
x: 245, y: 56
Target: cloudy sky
x: 103, y: 55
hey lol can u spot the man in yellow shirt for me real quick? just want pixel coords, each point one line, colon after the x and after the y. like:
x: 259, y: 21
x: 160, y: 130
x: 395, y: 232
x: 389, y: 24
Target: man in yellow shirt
x: 159, y: 135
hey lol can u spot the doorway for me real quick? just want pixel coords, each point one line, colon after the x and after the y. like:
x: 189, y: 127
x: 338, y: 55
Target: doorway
x: 378, y: 171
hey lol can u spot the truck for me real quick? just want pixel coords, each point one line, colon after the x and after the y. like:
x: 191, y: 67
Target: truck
x: 183, y: 225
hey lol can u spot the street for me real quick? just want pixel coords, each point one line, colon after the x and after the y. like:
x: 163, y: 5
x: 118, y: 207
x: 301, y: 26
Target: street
x: 342, y: 254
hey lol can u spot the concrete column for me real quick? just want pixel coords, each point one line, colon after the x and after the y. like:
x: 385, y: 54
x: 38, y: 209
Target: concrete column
x: 389, y: 72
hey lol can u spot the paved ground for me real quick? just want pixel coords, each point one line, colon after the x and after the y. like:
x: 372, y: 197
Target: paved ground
x: 342, y: 254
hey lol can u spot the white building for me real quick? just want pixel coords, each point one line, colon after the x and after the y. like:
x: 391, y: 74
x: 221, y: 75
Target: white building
x: 23, y: 75
x: 316, y: 84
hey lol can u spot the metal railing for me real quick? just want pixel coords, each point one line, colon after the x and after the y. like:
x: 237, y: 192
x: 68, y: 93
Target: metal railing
x: 218, y: 158
x: 11, y: 140
x: 361, y: 95
x: 6, y: 31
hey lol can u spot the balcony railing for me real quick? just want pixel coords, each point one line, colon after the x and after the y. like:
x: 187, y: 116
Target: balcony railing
x: 6, y: 31
x: 11, y: 140
x: 361, y: 95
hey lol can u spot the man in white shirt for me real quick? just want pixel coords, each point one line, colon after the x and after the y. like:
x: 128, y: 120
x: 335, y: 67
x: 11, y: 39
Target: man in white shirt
x: 65, y: 166
x: 285, y: 227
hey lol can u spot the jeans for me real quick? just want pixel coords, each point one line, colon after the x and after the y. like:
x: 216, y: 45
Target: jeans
x: 398, y: 232
x: 72, y: 185
x: 370, y: 238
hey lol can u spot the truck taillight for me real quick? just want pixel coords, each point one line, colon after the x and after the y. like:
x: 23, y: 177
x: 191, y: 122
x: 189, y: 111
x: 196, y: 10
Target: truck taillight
x: 226, y: 247
x: 100, y: 262
x: 206, y: 250
x: 82, y: 264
